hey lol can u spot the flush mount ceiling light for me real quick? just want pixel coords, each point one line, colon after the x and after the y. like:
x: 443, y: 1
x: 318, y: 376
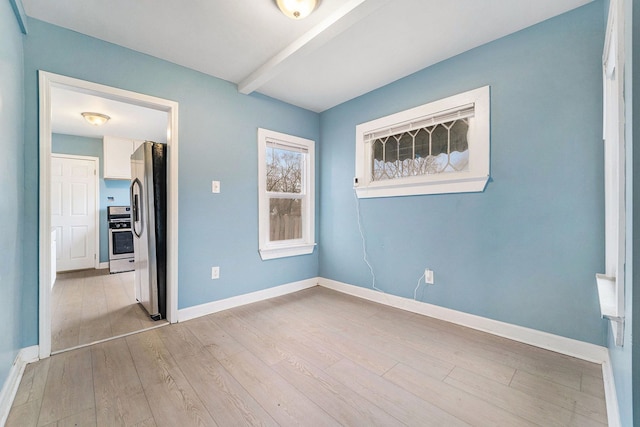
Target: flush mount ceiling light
x: 96, y: 119
x: 297, y: 9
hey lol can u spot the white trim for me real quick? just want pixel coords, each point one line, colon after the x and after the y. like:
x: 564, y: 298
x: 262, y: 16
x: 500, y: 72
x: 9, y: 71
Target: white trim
x: 46, y: 82
x: 610, y: 394
x: 96, y: 180
x: 240, y: 300
x: 274, y: 252
x: 479, y: 136
x: 103, y: 265
x: 611, y: 287
x: 570, y: 347
x: 10, y: 387
x: 465, y: 185
x: 286, y: 248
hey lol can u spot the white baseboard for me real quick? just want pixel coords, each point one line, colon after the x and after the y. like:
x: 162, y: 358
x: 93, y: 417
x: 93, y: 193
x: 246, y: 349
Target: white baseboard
x: 10, y: 388
x: 586, y: 351
x: 103, y: 265
x: 237, y: 301
x: 610, y: 394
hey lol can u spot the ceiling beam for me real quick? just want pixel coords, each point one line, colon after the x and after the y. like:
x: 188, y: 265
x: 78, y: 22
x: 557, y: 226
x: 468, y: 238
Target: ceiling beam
x: 343, y: 18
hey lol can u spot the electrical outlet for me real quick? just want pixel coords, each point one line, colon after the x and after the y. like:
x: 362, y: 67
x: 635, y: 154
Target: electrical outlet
x: 428, y: 276
x: 215, y: 272
x: 215, y: 186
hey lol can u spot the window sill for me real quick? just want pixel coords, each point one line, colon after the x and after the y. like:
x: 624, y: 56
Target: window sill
x: 286, y: 251
x: 469, y: 184
x: 608, y: 305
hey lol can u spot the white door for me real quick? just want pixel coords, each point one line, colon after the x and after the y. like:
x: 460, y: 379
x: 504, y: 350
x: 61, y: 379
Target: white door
x: 73, y: 211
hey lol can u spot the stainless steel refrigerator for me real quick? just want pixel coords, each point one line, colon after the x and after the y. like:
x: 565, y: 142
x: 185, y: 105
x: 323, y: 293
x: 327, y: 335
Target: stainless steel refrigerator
x: 149, y: 225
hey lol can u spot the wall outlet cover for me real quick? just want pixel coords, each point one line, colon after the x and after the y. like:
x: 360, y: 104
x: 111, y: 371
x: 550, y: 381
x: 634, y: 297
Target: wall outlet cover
x: 428, y: 276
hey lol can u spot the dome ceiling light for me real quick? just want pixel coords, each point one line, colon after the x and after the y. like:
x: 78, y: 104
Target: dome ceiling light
x: 96, y: 119
x: 297, y: 9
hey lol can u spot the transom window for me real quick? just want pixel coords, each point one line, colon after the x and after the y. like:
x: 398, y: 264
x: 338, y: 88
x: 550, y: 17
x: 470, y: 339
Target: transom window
x: 286, y: 200
x: 440, y: 147
x: 434, y: 149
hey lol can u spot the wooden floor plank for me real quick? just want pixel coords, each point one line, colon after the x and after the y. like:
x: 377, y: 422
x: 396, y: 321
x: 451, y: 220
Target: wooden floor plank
x: 251, y: 338
x: 33, y: 382
x: 529, y: 407
x: 456, y: 402
x: 279, y: 398
x: 345, y: 405
x: 120, y: 398
x: 174, y: 403
x: 582, y: 403
x: 94, y: 312
x: 395, y: 340
x: 180, y: 341
x: 85, y: 419
x: 592, y: 386
x: 226, y: 400
x: 24, y: 415
x: 290, y: 334
x: 153, y: 361
x: 393, y: 399
x: 172, y: 400
x: 69, y: 387
x: 317, y: 329
x: 216, y: 340
x: 476, y: 342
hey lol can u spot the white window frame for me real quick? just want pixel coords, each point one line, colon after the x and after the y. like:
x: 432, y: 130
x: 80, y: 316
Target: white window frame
x: 611, y: 283
x: 472, y: 180
x: 285, y: 248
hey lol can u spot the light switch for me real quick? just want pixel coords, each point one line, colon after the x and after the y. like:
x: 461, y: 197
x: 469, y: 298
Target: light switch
x: 215, y: 186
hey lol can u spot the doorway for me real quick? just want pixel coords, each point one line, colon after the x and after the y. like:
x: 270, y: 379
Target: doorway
x: 48, y: 82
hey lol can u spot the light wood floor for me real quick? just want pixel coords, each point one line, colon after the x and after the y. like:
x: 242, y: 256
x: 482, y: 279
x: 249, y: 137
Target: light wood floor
x: 313, y: 358
x: 91, y: 305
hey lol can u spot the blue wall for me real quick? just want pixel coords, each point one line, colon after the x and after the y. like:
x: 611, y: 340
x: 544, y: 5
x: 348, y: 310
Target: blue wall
x: 524, y: 251
x: 118, y: 189
x: 218, y: 134
x: 11, y: 182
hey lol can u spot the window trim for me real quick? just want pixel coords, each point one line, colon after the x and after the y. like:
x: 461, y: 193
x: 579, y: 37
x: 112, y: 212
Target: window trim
x: 611, y: 292
x: 286, y: 248
x: 472, y: 180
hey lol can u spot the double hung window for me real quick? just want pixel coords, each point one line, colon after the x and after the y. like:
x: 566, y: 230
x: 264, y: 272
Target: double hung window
x: 286, y: 194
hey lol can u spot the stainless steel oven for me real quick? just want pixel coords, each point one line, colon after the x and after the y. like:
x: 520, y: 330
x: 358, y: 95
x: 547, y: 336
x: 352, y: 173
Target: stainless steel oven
x: 120, y: 239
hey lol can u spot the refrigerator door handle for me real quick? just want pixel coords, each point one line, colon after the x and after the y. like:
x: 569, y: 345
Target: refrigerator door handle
x: 136, y: 200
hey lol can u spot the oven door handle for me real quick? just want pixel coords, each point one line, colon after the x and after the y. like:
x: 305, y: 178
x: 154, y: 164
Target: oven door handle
x: 136, y: 201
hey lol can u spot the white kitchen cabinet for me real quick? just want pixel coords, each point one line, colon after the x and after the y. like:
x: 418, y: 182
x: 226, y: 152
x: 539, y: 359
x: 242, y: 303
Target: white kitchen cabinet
x: 117, y: 156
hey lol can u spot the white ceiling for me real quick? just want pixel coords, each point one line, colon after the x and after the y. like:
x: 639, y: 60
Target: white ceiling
x: 127, y: 120
x: 344, y: 49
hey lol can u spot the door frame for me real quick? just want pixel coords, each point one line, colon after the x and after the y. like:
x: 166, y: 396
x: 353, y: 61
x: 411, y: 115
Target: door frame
x: 46, y: 81
x: 96, y: 208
